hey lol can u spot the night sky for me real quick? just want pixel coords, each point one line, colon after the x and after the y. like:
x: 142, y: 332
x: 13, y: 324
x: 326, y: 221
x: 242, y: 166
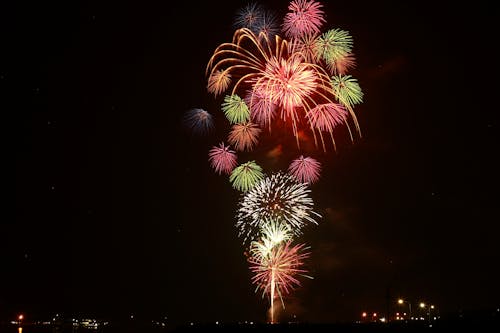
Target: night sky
x: 115, y: 210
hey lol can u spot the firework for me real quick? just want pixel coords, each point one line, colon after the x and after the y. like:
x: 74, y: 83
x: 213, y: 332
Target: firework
x: 249, y: 16
x: 278, y: 272
x: 219, y: 82
x: 262, y: 110
x: 235, y: 109
x: 199, y: 121
x: 333, y: 45
x: 267, y: 25
x: 305, y: 169
x: 279, y: 74
x: 279, y: 196
x: 343, y: 64
x: 222, y: 159
x: 272, y: 232
x: 244, y: 136
x: 305, y: 18
x: 246, y: 175
x: 347, y: 90
x: 285, y: 82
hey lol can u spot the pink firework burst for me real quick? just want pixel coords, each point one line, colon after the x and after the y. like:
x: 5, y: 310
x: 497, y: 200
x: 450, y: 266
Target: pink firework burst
x: 287, y: 83
x: 222, y: 159
x: 277, y: 272
x: 305, y: 18
x: 325, y: 117
x: 305, y: 169
x: 262, y: 110
x: 244, y: 136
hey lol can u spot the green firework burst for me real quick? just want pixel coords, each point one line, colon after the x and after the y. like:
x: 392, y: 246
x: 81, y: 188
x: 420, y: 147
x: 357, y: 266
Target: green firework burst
x: 333, y: 45
x: 246, y: 175
x: 235, y: 109
x: 347, y: 90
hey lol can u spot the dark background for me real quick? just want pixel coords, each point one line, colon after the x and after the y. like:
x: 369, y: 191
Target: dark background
x: 115, y: 210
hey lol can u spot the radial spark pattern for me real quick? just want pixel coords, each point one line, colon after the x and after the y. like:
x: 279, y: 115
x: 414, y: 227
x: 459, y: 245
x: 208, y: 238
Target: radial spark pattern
x: 304, y: 18
x: 198, y: 121
x: 279, y: 196
x: 246, y: 175
x: 244, y: 136
x: 222, y: 159
x: 278, y: 272
x: 347, y: 90
x: 235, y: 109
x: 219, y: 82
x: 305, y: 169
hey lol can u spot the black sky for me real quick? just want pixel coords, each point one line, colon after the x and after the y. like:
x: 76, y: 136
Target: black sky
x: 115, y: 208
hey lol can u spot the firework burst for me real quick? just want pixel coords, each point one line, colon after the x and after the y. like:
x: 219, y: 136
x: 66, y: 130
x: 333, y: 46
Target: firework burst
x: 244, y: 136
x: 305, y: 18
x: 199, y: 121
x: 279, y: 196
x: 347, y: 90
x: 249, y: 16
x: 222, y: 159
x: 272, y: 233
x: 283, y: 75
x: 278, y: 272
x: 246, y: 175
x: 285, y: 83
x: 305, y: 169
x: 219, y: 82
x: 235, y: 109
x: 333, y: 45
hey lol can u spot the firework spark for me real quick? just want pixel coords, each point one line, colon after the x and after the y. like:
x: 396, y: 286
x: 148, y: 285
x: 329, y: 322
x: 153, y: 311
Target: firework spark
x: 273, y: 232
x: 262, y: 110
x: 235, y: 109
x: 333, y: 45
x: 246, y: 175
x: 347, y: 90
x: 278, y: 272
x: 305, y: 169
x: 279, y: 73
x: 249, y: 16
x: 244, y: 136
x: 222, y: 159
x: 218, y: 82
x: 199, y: 121
x: 305, y: 18
x: 279, y: 196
